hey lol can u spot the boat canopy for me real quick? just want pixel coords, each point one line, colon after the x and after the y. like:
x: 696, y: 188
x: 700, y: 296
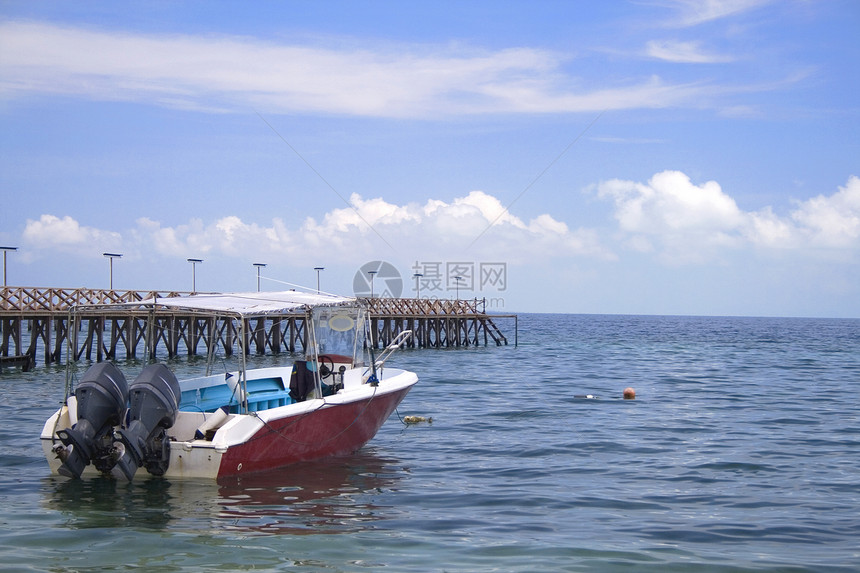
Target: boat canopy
x: 251, y: 303
x: 237, y: 305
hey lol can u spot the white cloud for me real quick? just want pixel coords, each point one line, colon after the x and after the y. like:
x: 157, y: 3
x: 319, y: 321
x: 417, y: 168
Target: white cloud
x: 682, y: 52
x: 475, y: 203
x: 67, y: 235
x: 695, y: 12
x: 832, y: 221
x: 228, y: 236
x: 671, y: 202
x: 446, y: 228
x: 766, y: 229
x: 240, y: 73
x: 437, y: 228
x: 668, y: 216
x: 684, y: 222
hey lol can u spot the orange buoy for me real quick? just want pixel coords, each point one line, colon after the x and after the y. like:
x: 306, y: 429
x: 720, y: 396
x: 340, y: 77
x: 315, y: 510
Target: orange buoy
x: 629, y: 393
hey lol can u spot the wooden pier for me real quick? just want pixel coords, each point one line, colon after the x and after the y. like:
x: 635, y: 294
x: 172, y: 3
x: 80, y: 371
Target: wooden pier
x: 35, y: 323
x: 434, y: 323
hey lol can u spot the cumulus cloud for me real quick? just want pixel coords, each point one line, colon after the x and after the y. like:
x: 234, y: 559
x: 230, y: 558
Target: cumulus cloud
x: 68, y: 235
x: 832, y: 221
x: 670, y: 216
x: 211, y: 73
x: 685, y: 222
x: 228, y: 236
x: 445, y: 228
x: 436, y: 228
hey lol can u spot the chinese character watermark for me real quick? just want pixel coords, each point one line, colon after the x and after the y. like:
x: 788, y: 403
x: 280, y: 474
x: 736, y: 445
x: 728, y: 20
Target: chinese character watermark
x: 435, y: 280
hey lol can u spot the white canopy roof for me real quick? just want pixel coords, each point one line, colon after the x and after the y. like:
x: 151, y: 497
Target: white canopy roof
x: 251, y: 303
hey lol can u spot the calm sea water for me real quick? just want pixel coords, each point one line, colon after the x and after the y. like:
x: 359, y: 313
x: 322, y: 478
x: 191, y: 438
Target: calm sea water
x: 740, y: 452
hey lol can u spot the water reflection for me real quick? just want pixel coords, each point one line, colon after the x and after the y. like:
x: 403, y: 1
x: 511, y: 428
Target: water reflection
x: 338, y: 495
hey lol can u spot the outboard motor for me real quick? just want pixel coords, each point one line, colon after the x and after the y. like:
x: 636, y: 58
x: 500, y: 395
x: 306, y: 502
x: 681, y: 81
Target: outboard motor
x: 154, y: 396
x: 102, y: 396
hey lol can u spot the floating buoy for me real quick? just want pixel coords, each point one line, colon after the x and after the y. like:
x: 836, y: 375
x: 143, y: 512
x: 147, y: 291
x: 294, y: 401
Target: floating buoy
x: 629, y: 394
x: 416, y: 419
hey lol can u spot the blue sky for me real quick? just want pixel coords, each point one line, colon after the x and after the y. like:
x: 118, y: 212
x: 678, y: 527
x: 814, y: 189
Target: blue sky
x: 647, y: 156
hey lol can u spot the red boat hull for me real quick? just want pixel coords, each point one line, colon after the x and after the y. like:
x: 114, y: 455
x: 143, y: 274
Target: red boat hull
x: 329, y: 431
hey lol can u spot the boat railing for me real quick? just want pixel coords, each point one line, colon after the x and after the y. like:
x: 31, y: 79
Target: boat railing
x: 395, y: 345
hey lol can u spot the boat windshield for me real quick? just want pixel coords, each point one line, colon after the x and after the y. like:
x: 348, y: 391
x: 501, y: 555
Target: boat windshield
x: 339, y: 330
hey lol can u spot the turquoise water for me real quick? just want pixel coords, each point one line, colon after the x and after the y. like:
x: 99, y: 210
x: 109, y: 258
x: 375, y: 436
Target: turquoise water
x: 740, y: 452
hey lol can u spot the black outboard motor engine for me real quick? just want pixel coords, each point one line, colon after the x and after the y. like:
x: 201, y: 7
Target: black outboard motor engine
x: 154, y: 396
x: 102, y: 395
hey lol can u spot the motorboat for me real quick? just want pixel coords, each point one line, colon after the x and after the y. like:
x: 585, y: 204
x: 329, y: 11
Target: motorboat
x: 330, y: 400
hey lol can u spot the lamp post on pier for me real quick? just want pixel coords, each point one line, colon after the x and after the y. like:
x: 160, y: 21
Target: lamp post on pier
x: 194, y: 273
x: 417, y: 277
x: 111, y: 257
x: 259, y: 266
x: 372, y: 274
x: 318, y: 269
x: 457, y: 285
x: 4, y: 249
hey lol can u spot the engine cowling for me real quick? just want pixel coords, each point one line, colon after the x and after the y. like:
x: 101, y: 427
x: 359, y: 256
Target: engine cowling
x: 154, y: 402
x: 101, y: 396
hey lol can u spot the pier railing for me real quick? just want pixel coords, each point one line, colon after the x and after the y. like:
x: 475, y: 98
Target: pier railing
x: 35, y: 321
x: 423, y: 307
x: 35, y: 300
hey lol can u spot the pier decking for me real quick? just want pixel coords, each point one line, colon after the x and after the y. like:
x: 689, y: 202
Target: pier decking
x: 35, y: 322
